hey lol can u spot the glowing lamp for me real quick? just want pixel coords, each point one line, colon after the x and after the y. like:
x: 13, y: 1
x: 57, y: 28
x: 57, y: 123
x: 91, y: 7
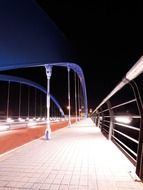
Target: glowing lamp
x: 123, y: 119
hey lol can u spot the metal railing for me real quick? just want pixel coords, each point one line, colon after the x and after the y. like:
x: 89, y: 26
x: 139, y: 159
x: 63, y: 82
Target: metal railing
x: 120, y: 116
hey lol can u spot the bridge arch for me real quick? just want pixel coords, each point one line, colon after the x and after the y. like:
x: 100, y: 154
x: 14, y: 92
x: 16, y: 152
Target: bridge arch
x: 32, y: 84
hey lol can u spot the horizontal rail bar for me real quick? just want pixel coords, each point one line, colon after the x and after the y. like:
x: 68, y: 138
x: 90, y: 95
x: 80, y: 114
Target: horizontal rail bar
x: 124, y: 151
x: 125, y: 146
x: 133, y: 116
x: 125, y: 103
x: 103, y: 111
x: 136, y: 116
x: 106, y: 121
x: 136, y: 70
x: 105, y: 125
x: 128, y: 137
x: 127, y: 126
x: 105, y: 130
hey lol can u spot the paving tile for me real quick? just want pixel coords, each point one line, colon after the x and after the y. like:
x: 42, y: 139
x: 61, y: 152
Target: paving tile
x: 78, y: 157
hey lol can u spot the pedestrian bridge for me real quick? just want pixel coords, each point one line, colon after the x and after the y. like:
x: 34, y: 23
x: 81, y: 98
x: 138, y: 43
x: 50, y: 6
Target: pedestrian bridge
x: 77, y: 157
x: 109, y: 153
x: 80, y: 155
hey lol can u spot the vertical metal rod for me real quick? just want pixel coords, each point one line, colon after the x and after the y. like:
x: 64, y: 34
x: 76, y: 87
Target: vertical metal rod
x: 48, y: 100
x: 79, y: 109
x: 48, y: 129
x: 111, y: 120
x: 75, y: 97
x: 35, y: 102
x: 19, y: 114
x: 52, y: 105
x: 8, y: 96
x: 40, y: 104
x: 69, y: 104
x: 28, y: 103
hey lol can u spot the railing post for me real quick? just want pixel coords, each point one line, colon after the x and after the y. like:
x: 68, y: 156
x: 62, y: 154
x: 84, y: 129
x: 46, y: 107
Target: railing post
x: 139, y: 164
x: 102, y: 115
x: 111, y: 120
x: 97, y: 119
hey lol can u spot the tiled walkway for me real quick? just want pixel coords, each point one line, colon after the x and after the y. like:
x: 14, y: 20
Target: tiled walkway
x: 76, y: 158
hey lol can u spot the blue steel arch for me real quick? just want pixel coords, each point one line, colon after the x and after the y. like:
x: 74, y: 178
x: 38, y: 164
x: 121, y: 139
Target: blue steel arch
x: 29, y: 38
x: 77, y: 69
x: 30, y: 83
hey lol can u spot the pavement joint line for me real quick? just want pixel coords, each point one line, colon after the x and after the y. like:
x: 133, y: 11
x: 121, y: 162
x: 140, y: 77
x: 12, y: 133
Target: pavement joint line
x: 14, y: 149
x: 25, y: 144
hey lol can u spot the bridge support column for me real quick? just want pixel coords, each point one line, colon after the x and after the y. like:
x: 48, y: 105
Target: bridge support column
x: 48, y: 128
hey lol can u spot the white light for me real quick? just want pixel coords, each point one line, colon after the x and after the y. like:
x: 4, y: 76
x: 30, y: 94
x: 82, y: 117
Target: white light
x: 38, y: 119
x: 31, y: 123
x: 4, y: 127
x: 9, y: 120
x: 68, y: 107
x: 21, y: 120
x: 123, y: 119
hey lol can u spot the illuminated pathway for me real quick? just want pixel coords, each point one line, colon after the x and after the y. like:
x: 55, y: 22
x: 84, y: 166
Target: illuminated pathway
x: 77, y: 157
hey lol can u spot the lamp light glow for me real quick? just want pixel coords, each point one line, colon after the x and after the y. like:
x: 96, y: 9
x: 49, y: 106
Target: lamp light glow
x: 9, y: 120
x: 4, y: 127
x: 123, y: 119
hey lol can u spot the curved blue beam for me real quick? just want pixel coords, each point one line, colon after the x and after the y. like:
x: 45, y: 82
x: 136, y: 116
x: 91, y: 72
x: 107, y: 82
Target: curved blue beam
x: 30, y: 83
x: 29, y: 37
x: 77, y: 69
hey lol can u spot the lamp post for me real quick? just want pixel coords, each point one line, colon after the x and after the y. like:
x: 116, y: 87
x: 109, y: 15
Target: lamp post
x: 69, y: 96
x: 48, y: 128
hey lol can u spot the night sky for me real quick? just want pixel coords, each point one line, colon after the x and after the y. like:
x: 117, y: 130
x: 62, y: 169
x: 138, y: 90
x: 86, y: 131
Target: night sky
x: 106, y: 36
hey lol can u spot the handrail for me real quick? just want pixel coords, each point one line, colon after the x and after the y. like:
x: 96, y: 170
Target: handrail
x: 125, y: 146
x: 130, y: 75
x: 125, y: 103
x: 125, y: 118
x: 127, y: 136
x: 127, y: 126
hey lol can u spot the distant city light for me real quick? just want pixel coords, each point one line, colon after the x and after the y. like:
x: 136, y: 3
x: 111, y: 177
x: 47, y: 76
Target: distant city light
x: 4, y: 127
x: 32, y: 123
x: 21, y: 120
x: 43, y: 118
x: 9, y: 120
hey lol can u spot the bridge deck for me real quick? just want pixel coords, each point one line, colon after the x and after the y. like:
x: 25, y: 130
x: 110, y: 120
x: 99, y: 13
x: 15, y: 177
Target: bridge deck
x: 76, y: 158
